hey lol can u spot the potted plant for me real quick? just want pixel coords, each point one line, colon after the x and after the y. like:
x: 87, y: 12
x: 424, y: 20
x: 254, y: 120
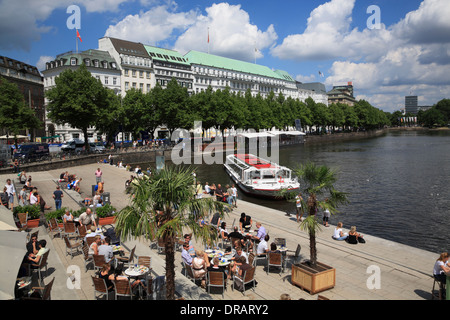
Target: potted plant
x: 106, y: 214
x: 34, y: 214
x: 318, y: 182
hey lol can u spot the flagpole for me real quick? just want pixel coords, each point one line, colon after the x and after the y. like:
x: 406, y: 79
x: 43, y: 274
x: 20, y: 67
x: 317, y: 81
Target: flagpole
x: 208, y: 40
x: 76, y: 39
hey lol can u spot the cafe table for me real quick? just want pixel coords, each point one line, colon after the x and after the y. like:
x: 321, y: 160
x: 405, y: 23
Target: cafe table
x: 135, y: 272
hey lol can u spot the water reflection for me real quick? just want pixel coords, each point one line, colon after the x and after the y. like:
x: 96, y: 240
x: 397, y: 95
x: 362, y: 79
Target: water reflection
x: 397, y: 184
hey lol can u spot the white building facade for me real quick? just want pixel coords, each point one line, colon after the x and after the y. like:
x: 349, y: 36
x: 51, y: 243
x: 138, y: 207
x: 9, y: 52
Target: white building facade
x: 101, y: 65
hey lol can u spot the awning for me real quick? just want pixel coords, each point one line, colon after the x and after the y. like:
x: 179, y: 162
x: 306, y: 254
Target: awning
x: 7, y: 220
x: 52, y: 137
x: 12, y: 250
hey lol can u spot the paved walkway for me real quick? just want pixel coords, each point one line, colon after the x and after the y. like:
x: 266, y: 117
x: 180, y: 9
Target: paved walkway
x: 404, y: 271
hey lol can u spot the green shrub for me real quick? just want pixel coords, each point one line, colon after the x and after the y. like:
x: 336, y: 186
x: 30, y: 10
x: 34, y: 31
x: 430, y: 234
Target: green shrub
x: 105, y: 211
x: 34, y: 212
x: 56, y: 214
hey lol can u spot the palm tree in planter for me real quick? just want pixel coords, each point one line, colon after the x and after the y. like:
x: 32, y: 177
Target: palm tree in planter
x: 318, y: 182
x: 160, y: 207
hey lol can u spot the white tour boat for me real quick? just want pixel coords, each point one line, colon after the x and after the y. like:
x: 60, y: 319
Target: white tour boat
x: 260, y: 177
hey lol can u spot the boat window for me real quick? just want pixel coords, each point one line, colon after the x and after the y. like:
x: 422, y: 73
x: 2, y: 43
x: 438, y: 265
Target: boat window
x: 255, y: 175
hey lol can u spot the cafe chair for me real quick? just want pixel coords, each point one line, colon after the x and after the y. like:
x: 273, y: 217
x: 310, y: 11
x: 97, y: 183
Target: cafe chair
x: 251, y: 259
x: 123, y: 288
x: 160, y: 245
x: 274, y: 259
x: 188, y: 272
x: 69, y: 229
x: 247, y: 277
x: 71, y: 247
x: 149, y: 288
x: 87, y: 258
x: 441, y: 286
x: 81, y: 231
x: 53, y: 227
x: 99, y: 261
x: 159, y: 287
x: 89, y: 241
x: 128, y: 260
x: 23, y: 220
x: 101, y: 288
x: 41, y: 264
x: 296, y: 255
x: 215, y: 279
x: 41, y: 293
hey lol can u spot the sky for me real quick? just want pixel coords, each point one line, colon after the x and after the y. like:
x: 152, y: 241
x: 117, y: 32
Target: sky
x: 387, y: 49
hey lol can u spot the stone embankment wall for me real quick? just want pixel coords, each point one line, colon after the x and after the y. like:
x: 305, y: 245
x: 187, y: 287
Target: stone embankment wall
x: 337, y: 137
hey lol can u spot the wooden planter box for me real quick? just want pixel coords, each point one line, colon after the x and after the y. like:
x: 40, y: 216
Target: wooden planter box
x: 314, y: 280
x: 107, y: 220
x: 33, y: 223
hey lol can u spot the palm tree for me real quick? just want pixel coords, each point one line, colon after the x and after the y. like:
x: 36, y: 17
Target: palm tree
x: 160, y: 207
x: 318, y: 184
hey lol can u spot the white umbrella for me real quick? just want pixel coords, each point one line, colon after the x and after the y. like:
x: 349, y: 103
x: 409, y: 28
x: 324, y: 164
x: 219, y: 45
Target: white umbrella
x: 7, y: 220
x: 12, y: 137
x: 12, y: 250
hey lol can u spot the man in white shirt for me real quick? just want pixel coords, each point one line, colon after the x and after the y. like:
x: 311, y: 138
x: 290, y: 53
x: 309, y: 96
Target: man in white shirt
x: 11, y: 192
x: 106, y: 250
x: 263, y: 247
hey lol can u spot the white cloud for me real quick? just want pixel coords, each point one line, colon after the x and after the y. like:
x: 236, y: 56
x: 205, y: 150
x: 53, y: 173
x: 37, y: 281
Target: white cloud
x: 152, y: 26
x: 230, y: 33
x: 40, y: 64
x: 305, y: 79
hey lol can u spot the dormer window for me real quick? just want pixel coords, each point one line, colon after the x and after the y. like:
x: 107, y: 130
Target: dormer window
x: 87, y: 62
x: 96, y: 63
x: 73, y: 61
x: 105, y: 64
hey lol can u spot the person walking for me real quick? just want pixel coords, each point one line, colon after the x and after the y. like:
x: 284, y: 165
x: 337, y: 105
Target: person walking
x: 57, y: 195
x: 11, y: 191
x: 98, y: 176
x: 298, y: 206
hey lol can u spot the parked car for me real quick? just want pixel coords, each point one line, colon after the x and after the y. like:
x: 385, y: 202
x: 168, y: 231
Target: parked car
x: 74, y: 145
x: 30, y: 152
x: 97, y: 147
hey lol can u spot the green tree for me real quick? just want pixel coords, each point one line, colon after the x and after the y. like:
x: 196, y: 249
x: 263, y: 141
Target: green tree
x: 318, y: 182
x: 433, y: 117
x: 162, y: 207
x: 135, y: 109
x: 110, y: 118
x: 77, y: 99
x: 444, y: 107
x: 15, y: 115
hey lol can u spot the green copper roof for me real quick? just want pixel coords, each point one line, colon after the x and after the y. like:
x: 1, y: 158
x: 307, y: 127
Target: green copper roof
x: 209, y: 60
x: 92, y: 55
x: 285, y: 75
x: 166, y: 55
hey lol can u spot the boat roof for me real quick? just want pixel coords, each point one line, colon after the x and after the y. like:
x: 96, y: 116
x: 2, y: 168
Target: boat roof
x: 255, y: 162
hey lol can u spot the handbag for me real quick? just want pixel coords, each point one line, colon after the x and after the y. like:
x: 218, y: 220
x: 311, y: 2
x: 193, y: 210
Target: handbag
x: 361, y: 240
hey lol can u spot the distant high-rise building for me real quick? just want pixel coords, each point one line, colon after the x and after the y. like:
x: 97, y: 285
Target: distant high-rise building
x: 411, y: 104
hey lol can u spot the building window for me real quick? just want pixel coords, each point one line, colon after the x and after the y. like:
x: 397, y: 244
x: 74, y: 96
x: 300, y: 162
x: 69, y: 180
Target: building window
x: 73, y: 61
x: 127, y: 86
x: 148, y: 88
x: 114, y: 81
x: 126, y: 72
x: 134, y: 85
x: 106, y: 80
x: 133, y: 73
x: 96, y: 63
x: 141, y: 86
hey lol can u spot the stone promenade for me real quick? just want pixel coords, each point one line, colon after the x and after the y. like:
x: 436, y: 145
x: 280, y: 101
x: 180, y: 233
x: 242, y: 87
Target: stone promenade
x: 405, y: 272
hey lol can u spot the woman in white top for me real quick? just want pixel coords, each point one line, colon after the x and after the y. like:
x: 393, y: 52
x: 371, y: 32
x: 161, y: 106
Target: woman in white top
x: 441, y: 267
x: 338, y: 234
x: 67, y: 216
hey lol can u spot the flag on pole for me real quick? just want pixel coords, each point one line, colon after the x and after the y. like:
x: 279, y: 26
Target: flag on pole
x: 78, y: 36
x: 321, y: 74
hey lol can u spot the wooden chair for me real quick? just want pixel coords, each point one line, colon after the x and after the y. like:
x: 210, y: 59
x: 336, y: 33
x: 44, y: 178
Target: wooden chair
x: 87, y: 259
x: 144, y: 261
x: 23, y: 220
x: 296, y: 255
x: 128, y: 260
x: 89, y: 241
x: 188, y: 272
x: 53, y: 227
x: 161, y: 245
x: 38, y: 266
x: 81, y: 231
x: 251, y: 259
x: 274, y: 260
x: 247, y: 277
x: 216, y: 279
x: 99, y: 261
x: 123, y: 288
x: 149, y: 288
x: 71, y: 247
x: 69, y: 229
x: 44, y: 293
x: 100, y: 287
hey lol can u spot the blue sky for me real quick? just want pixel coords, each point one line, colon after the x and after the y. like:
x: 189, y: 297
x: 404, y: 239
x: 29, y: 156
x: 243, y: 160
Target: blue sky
x: 408, y: 53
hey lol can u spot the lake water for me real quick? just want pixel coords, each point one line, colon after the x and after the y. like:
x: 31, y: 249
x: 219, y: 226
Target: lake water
x: 398, y: 184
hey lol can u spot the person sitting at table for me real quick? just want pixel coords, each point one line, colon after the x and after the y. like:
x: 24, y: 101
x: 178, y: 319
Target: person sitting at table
x: 106, y: 250
x: 199, y: 266
x: 105, y: 273
x: 93, y: 249
x: 240, y: 253
x: 35, y: 258
x: 245, y: 222
x: 263, y: 246
x: 117, y: 276
x: 441, y: 267
x: 235, y: 234
x: 185, y: 256
x: 273, y: 248
x: 240, y: 267
x: 216, y: 268
x: 187, y: 239
x: 67, y: 216
x: 93, y: 233
x: 261, y: 232
x: 215, y: 220
x: 223, y: 230
x: 33, y: 245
